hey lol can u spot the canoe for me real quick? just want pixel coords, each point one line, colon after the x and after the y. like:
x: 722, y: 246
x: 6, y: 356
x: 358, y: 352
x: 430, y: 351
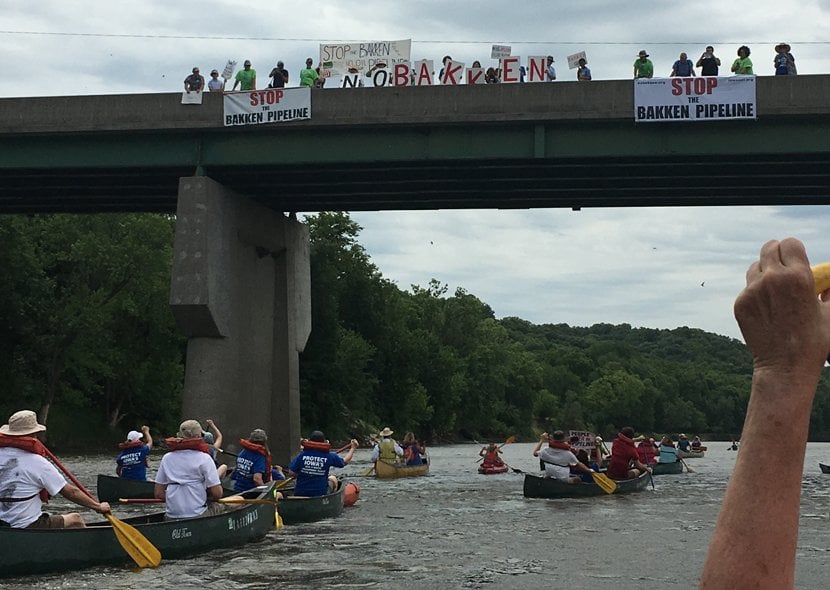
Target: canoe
x: 667, y: 468
x: 492, y: 469
x: 690, y: 454
x: 310, y: 508
x: 824, y: 467
x: 37, y: 551
x: 111, y: 487
x: 386, y: 470
x: 536, y: 486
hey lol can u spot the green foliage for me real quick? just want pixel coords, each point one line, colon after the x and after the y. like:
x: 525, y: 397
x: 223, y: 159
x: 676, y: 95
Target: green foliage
x: 86, y: 333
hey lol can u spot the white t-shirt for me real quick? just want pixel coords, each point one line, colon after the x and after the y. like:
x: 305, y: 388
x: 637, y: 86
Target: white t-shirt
x: 562, y: 459
x: 187, y: 474
x: 24, y: 474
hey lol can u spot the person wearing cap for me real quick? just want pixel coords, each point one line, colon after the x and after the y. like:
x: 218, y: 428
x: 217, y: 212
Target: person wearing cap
x: 583, y: 72
x: 215, y: 84
x: 683, y: 443
x: 550, y: 71
x: 742, y: 64
x: 708, y: 63
x: 784, y: 61
x: 187, y: 480
x: 308, y: 75
x: 245, y: 78
x: 311, y: 466
x: 279, y: 76
x: 253, y: 464
x: 195, y: 82
x: 643, y: 68
x: 387, y: 449
x: 131, y: 462
x: 558, y: 458
x: 28, y: 479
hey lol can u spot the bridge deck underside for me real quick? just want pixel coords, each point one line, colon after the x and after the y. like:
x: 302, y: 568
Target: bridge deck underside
x: 438, y: 184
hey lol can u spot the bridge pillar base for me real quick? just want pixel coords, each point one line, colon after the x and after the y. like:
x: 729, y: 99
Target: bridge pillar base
x: 241, y: 293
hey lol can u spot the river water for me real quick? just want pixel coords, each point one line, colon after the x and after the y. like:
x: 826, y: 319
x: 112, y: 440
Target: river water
x: 457, y: 529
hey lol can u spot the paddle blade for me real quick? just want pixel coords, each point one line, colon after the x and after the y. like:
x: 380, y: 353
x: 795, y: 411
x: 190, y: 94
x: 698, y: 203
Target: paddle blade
x: 509, y: 440
x: 686, y: 465
x: 277, y: 518
x: 368, y: 472
x: 142, y: 551
x: 608, y: 485
x: 283, y: 483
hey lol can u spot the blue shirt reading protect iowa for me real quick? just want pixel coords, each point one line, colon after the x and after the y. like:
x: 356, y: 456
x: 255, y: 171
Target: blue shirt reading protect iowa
x: 133, y: 462
x: 247, y: 463
x: 312, y: 469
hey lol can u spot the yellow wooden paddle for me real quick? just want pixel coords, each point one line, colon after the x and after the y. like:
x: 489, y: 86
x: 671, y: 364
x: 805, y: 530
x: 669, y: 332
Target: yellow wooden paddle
x: 368, y: 471
x: 137, y: 546
x: 608, y: 485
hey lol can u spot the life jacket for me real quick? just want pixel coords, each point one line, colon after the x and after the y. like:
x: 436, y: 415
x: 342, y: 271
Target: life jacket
x: 30, y: 444
x: 492, y: 460
x: 411, y: 452
x: 130, y: 444
x: 260, y: 449
x: 187, y: 444
x: 311, y: 445
x: 387, y: 451
x: 646, y: 452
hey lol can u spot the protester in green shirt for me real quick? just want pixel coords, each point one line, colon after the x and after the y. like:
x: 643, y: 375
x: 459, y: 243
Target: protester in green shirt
x: 308, y: 75
x: 245, y: 78
x: 743, y: 65
x: 643, y: 68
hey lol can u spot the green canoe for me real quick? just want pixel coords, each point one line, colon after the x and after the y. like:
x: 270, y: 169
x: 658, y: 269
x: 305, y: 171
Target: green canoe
x: 667, y: 468
x: 37, y: 551
x: 536, y: 486
x: 111, y: 487
x: 310, y: 509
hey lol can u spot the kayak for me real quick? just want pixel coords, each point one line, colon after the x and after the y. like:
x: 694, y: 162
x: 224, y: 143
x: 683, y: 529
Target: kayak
x: 111, y: 487
x: 385, y: 470
x: 536, y: 486
x: 667, y: 468
x: 37, y: 551
x: 492, y: 469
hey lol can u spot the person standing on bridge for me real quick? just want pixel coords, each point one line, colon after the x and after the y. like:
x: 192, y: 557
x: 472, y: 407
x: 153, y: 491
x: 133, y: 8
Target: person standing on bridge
x: 550, y: 70
x: 308, y: 75
x: 215, y: 84
x: 195, y: 82
x: 583, y: 73
x: 643, y: 68
x: 683, y: 67
x: 708, y: 63
x: 743, y: 65
x: 245, y: 78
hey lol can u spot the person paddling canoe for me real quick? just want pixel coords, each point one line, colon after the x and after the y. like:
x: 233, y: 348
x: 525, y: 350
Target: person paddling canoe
x: 29, y: 479
x: 387, y: 449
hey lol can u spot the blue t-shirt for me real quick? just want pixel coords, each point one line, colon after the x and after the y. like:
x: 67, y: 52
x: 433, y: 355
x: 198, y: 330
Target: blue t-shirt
x: 683, y: 68
x: 133, y: 462
x: 247, y: 464
x: 312, y: 469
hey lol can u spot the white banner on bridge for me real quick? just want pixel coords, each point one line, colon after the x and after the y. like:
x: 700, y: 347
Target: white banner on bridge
x: 705, y: 98
x: 273, y: 105
x: 337, y: 58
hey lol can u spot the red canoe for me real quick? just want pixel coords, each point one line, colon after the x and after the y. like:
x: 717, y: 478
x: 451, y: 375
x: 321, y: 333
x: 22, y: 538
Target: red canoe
x: 491, y: 469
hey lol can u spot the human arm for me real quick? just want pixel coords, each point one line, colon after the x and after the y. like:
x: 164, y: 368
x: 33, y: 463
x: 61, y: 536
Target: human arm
x: 348, y: 456
x: 217, y: 435
x: 735, y: 65
x: 74, y: 494
x: 787, y: 329
x: 375, y: 453
x: 148, y: 439
x: 482, y: 452
x: 542, y: 440
x: 214, y: 493
x: 159, y: 491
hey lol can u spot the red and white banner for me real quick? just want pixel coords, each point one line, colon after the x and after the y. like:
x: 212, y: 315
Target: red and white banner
x: 272, y: 105
x: 704, y: 98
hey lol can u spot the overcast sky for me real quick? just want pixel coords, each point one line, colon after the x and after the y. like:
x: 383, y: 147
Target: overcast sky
x: 651, y: 267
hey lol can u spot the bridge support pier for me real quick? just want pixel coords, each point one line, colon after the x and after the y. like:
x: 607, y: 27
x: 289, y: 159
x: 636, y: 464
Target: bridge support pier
x: 241, y: 293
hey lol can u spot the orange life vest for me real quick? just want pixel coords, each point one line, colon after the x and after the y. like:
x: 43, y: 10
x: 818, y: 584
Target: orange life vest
x: 311, y: 445
x: 256, y: 448
x: 187, y: 444
x: 130, y: 444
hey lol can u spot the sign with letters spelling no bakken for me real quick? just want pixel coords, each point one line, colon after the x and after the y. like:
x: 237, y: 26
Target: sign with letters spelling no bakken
x: 272, y: 105
x: 705, y: 98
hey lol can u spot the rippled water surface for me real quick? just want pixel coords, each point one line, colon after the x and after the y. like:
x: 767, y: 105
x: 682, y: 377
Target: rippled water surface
x: 457, y: 529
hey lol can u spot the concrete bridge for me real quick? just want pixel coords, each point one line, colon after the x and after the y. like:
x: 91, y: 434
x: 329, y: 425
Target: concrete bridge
x: 240, y: 288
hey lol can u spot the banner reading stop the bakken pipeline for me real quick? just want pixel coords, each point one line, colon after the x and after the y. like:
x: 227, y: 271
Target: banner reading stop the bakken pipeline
x: 705, y: 98
x: 273, y: 105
